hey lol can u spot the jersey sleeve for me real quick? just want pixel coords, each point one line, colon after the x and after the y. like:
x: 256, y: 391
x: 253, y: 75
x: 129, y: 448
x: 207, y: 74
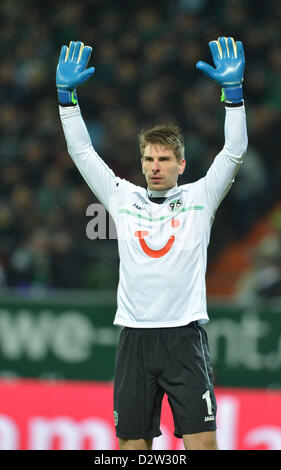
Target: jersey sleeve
x: 99, y: 177
x: 221, y: 174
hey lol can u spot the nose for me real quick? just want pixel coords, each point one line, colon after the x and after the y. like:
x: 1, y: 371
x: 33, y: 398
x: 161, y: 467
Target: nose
x: 155, y: 166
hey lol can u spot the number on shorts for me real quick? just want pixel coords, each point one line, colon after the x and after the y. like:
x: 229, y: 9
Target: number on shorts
x: 206, y: 396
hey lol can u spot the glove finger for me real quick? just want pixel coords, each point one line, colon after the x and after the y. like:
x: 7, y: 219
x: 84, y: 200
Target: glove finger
x: 232, y: 48
x: 206, y: 68
x: 86, y: 74
x: 63, y: 53
x: 70, y: 51
x: 240, y: 50
x: 85, y: 56
x: 77, y: 51
x: 224, y: 47
x: 215, y: 49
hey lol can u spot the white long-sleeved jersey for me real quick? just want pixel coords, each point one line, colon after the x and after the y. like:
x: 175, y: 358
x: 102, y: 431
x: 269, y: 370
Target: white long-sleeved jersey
x: 162, y: 247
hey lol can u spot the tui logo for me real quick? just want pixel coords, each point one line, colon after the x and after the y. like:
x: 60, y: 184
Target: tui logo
x: 141, y: 234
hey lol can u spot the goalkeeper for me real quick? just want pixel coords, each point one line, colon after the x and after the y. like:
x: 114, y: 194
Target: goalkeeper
x: 163, y: 234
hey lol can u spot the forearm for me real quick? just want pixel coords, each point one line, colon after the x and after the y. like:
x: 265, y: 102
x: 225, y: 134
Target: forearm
x: 235, y: 131
x: 75, y: 131
x: 225, y: 166
x: 96, y: 173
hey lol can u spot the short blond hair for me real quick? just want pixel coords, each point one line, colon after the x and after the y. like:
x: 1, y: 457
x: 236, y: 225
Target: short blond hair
x: 169, y: 136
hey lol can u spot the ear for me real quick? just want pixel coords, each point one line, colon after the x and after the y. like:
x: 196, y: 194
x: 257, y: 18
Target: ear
x: 182, y: 165
x: 142, y: 166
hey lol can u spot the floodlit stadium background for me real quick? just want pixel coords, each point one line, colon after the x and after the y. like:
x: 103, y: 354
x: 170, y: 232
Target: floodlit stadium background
x: 58, y: 286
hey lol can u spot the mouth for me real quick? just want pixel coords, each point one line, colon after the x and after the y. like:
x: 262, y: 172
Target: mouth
x: 156, y: 179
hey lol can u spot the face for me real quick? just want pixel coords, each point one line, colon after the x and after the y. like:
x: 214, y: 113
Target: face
x: 161, y: 167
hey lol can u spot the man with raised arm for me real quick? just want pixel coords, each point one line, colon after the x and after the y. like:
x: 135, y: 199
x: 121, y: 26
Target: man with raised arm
x: 163, y: 233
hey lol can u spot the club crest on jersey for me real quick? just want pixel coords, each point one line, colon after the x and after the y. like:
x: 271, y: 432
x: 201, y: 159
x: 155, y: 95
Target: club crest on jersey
x: 173, y: 205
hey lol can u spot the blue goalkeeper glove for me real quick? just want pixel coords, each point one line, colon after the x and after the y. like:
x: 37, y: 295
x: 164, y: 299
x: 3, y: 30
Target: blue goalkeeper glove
x: 72, y: 71
x: 228, y: 57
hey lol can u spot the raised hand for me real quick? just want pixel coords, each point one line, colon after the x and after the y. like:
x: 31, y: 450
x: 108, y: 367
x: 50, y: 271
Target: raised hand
x: 72, y: 71
x: 229, y: 61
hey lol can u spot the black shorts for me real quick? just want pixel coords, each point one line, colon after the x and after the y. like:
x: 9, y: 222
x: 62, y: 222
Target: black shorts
x: 154, y: 361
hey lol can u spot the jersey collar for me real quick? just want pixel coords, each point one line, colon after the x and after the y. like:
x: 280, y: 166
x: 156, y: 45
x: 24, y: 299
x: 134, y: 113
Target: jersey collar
x: 169, y: 192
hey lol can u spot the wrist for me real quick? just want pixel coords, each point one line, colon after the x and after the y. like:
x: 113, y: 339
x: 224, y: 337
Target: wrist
x: 232, y: 95
x: 67, y: 97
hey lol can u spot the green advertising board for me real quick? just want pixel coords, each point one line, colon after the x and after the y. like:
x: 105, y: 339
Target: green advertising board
x: 58, y: 336
x: 245, y: 344
x: 72, y: 336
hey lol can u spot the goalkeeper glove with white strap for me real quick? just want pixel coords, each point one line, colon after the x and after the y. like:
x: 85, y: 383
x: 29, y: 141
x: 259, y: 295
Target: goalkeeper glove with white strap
x: 229, y: 60
x: 72, y: 71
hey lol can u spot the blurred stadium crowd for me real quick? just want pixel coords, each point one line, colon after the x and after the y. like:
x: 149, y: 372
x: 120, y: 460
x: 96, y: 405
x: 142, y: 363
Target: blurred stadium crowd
x: 145, y: 54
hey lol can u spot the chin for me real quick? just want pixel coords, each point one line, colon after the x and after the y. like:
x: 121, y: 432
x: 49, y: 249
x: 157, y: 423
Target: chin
x: 161, y: 186
x: 157, y: 187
